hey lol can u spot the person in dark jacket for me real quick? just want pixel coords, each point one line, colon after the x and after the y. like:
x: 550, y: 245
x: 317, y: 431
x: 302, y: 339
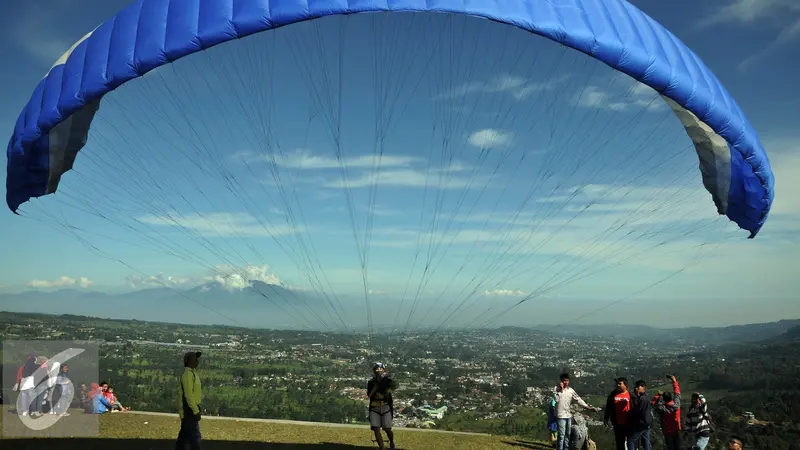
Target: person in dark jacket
x: 641, y: 418
x: 83, y: 397
x: 381, y: 408
x: 618, y: 409
x: 668, y: 406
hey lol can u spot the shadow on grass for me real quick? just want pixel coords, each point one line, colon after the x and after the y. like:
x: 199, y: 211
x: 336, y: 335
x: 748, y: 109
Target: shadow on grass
x: 157, y: 444
x: 529, y: 445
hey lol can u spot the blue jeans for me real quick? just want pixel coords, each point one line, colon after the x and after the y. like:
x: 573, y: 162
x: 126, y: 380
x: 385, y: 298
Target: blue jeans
x: 564, y: 430
x: 639, y: 435
x: 39, y: 408
x: 700, y: 443
x: 67, y: 391
x: 189, y: 434
x: 26, y: 401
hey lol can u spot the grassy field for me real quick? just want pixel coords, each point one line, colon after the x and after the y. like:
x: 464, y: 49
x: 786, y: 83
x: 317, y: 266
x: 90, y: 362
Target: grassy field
x: 125, y: 431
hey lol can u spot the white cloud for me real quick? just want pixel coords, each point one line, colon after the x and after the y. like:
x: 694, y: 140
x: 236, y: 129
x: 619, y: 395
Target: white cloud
x: 504, y: 293
x: 392, y: 171
x: 377, y: 292
x: 636, y: 97
x: 749, y: 11
x: 35, y: 32
x: 638, y: 220
x: 384, y: 211
x: 783, y: 15
x: 62, y: 282
x: 228, y: 276
x: 784, y: 156
x: 457, y: 166
x: 221, y: 224
x: 405, y: 178
x: 787, y: 35
x: 490, y: 138
x: 306, y: 160
x: 231, y: 277
x: 621, y: 222
x: 159, y: 280
x: 518, y: 87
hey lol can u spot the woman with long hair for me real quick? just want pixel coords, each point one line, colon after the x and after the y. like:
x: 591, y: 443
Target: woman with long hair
x: 66, y: 391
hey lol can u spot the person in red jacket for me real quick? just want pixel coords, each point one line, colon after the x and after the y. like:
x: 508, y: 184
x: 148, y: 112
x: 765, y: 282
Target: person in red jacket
x: 668, y: 405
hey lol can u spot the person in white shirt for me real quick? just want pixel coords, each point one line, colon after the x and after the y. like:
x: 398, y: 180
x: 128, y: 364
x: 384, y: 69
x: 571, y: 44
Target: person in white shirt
x: 26, y: 402
x: 564, y: 395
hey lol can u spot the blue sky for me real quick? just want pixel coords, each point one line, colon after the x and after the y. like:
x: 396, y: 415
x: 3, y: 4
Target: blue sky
x: 751, y: 47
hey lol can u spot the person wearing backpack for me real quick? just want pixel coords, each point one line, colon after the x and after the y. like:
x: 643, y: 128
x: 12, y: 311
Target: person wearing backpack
x: 698, y: 422
x: 641, y: 417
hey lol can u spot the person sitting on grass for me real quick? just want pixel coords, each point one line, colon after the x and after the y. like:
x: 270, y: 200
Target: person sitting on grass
x: 83, y: 397
x: 99, y: 403
x: 112, y: 399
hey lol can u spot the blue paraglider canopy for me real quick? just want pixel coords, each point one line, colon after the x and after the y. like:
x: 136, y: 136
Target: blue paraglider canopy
x: 54, y: 125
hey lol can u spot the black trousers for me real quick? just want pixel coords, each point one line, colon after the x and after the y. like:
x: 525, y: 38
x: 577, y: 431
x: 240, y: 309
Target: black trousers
x: 189, y: 434
x: 673, y: 441
x: 621, y: 433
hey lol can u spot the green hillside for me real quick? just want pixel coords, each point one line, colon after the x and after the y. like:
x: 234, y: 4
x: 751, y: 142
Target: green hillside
x: 145, y: 432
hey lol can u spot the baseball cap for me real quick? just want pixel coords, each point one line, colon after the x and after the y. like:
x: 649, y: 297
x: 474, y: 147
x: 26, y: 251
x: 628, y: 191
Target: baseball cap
x: 189, y: 354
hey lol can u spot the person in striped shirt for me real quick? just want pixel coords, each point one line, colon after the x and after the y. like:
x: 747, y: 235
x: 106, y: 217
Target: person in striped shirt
x: 698, y: 422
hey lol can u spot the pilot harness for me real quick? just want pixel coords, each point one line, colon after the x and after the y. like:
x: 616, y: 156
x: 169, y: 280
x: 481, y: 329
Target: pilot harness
x: 379, y: 403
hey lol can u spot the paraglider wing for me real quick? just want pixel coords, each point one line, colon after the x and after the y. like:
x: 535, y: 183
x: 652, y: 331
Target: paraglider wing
x: 55, y: 123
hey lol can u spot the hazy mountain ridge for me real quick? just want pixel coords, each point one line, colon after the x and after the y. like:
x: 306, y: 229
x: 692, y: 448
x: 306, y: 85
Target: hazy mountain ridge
x: 756, y: 332
x: 260, y: 304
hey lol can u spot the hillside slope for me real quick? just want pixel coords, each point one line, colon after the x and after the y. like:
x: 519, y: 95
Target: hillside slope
x: 156, y: 431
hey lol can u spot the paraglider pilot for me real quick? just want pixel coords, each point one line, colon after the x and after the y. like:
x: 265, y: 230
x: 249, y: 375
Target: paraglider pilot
x: 381, y: 411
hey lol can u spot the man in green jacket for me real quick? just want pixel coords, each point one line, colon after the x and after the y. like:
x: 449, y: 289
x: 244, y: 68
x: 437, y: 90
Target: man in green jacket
x: 190, y: 395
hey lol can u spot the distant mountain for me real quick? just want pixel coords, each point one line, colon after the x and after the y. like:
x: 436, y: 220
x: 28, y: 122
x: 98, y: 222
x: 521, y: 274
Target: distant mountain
x: 259, y: 305
x: 696, y: 335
